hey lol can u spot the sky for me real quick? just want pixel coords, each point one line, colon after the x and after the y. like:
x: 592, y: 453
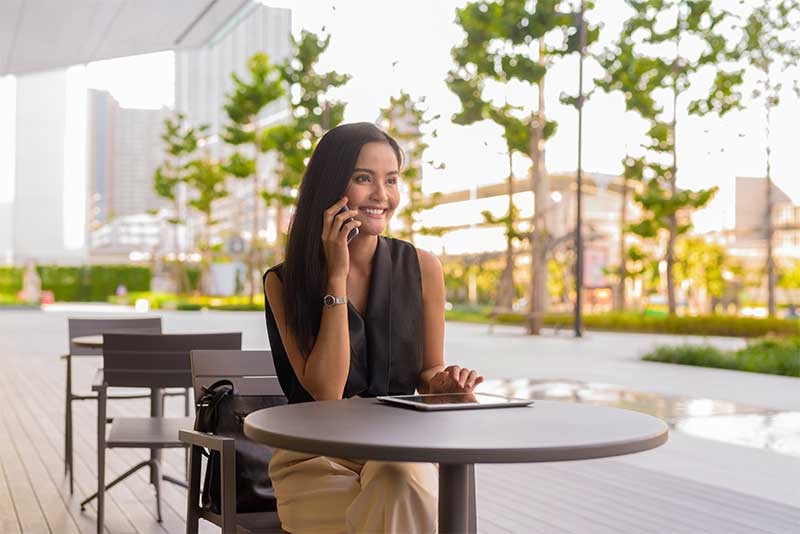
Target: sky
x: 387, y: 46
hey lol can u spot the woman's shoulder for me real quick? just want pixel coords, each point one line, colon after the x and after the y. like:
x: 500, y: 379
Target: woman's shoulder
x: 428, y: 262
x: 277, y: 269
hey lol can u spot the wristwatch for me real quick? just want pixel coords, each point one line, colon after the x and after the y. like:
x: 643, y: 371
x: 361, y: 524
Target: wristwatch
x: 330, y: 301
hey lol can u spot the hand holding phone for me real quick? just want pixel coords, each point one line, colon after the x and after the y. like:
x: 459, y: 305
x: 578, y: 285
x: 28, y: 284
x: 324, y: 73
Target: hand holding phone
x: 354, y: 232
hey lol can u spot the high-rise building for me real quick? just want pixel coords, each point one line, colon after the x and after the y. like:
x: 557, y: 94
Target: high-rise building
x: 125, y: 148
x: 102, y: 110
x: 124, y: 151
x: 202, y: 81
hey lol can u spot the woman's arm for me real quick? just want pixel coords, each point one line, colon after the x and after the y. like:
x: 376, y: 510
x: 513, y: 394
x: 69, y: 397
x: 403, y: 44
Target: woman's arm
x: 435, y: 377
x: 324, y: 372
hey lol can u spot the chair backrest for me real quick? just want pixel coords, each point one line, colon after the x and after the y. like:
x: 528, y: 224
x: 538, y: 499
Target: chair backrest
x: 92, y: 327
x: 250, y: 371
x: 157, y: 360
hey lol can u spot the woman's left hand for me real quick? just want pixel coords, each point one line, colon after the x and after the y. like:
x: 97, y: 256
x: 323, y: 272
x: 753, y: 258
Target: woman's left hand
x: 454, y: 379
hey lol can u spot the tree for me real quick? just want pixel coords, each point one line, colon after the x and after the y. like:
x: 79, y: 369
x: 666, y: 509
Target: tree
x: 407, y: 121
x: 244, y: 129
x: 207, y: 180
x: 502, y: 38
x: 516, y: 132
x: 700, y: 266
x: 637, y: 66
x: 767, y: 45
x: 181, y: 141
x: 632, y: 176
x: 313, y: 112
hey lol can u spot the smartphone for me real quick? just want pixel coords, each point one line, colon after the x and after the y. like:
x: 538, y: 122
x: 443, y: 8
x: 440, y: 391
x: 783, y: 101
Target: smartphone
x: 354, y: 232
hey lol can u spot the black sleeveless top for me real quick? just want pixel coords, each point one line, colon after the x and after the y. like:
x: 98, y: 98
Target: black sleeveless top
x: 386, y: 344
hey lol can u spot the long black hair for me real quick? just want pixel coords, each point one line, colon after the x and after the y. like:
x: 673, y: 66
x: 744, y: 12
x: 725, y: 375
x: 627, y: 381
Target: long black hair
x: 324, y: 183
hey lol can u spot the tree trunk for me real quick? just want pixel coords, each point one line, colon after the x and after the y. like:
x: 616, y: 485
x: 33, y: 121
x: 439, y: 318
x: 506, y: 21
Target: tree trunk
x: 619, y: 305
x: 541, y: 190
x: 251, y: 262
x: 673, y: 189
x: 770, y: 230
x: 505, y: 293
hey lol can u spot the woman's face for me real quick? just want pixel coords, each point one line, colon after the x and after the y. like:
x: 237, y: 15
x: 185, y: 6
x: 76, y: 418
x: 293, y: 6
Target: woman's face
x: 373, y: 189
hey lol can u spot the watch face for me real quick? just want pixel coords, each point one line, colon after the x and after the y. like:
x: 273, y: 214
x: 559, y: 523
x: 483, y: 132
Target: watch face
x: 328, y: 300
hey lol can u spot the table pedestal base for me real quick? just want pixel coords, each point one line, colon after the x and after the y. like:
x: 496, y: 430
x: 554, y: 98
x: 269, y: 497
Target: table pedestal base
x: 457, y: 499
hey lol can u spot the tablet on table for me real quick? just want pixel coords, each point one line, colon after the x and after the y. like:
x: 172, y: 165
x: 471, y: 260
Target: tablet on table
x: 453, y: 401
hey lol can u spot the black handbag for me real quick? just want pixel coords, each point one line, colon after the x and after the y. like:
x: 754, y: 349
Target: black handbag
x: 220, y: 411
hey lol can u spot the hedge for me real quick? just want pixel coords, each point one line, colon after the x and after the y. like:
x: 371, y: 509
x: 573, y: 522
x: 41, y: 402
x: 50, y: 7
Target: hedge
x: 704, y: 325
x: 770, y: 356
x: 707, y: 325
x: 92, y: 283
x: 11, y: 280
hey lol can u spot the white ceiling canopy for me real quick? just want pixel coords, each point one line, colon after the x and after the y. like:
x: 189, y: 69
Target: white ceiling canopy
x: 45, y: 34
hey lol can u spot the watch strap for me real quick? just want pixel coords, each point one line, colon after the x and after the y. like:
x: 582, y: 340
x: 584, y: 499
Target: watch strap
x: 332, y: 300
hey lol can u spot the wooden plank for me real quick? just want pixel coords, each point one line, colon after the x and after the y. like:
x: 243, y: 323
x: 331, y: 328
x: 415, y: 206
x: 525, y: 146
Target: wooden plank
x: 617, y: 508
x: 538, y: 503
x: 29, y: 512
x: 57, y: 515
x: 8, y: 516
x: 48, y: 443
x: 704, y: 507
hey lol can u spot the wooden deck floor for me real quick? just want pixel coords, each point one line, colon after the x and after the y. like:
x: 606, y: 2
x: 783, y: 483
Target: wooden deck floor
x: 595, y: 497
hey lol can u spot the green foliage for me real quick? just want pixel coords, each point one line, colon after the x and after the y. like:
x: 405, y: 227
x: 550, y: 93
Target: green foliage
x: 11, y: 279
x: 703, y: 325
x: 206, y: 178
x: 457, y: 275
x: 501, y: 38
x: 250, y: 96
x: 93, y: 283
x: 313, y: 113
x: 771, y: 356
x: 701, y: 264
x: 181, y: 141
x: 408, y: 122
x: 637, y: 66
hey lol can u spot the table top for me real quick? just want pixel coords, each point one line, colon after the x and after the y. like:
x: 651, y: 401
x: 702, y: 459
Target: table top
x: 89, y: 341
x: 370, y: 430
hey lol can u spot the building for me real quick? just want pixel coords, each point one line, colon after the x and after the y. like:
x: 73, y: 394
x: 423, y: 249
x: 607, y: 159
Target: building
x: 42, y: 203
x: 125, y: 148
x: 464, y: 233
x: 202, y: 80
x: 43, y: 184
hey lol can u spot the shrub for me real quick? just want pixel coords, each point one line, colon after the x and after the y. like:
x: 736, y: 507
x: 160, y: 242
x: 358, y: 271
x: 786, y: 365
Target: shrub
x: 11, y: 280
x: 770, y: 356
x: 708, y: 325
x: 92, y: 283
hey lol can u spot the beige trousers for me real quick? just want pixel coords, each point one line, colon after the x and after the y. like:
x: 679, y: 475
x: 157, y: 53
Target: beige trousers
x: 324, y: 495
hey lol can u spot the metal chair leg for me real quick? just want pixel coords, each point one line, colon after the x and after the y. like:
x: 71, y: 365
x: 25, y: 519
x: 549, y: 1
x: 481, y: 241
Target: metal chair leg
x: 156, y: 466
x: 68, y: 454
x: 101, y: 459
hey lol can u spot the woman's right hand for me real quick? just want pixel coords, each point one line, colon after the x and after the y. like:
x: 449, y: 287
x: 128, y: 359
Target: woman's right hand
x: 334, y: 238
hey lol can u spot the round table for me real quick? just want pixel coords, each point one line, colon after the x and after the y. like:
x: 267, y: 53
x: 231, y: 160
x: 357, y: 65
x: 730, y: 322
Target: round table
x: 367, y: 429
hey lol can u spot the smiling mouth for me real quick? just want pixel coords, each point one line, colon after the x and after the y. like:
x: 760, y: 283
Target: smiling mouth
x: 373, y: 212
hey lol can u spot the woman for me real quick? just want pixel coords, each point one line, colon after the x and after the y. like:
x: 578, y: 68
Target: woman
x: 358, y: 319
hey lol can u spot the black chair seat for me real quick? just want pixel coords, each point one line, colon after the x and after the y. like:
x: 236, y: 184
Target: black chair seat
x: 144, y: 432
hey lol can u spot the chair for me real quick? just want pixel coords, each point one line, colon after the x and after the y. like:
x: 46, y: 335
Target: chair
x: 89, y: 327
x: 152, y: 361
x: 252, y: 373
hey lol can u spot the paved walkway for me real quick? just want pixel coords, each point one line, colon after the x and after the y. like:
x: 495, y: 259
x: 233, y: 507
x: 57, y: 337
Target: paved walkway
x: 688, y: 485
